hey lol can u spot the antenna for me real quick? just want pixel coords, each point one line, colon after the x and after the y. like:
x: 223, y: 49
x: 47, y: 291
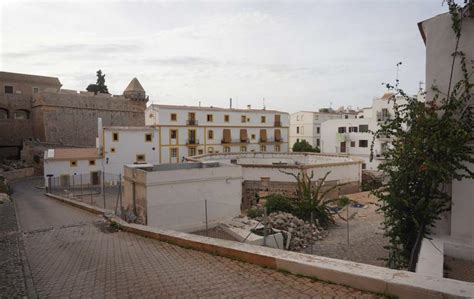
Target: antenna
x: 396, y: 80
x: 420, y: 84
x: 263, y: 104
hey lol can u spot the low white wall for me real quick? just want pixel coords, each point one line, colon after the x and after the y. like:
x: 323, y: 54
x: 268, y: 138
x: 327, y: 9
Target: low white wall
x: 176, y: 198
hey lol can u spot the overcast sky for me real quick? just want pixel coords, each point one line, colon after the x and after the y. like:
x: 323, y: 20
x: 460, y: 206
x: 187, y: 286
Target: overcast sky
x: 297, y: 55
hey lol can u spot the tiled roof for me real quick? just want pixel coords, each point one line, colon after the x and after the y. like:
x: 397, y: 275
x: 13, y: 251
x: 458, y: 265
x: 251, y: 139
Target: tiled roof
x: 134, y: 85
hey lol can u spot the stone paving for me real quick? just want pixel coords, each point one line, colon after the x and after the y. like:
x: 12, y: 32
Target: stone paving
x: 72, y: 253
x: 12, y: 283
x: 366, y: 240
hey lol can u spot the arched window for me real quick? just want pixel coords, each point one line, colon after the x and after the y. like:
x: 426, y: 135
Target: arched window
x: 3, y: 113
x: 21, y: 114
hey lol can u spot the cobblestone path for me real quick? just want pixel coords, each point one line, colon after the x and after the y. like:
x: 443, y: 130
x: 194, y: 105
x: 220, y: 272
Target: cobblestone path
x: 72, y: 253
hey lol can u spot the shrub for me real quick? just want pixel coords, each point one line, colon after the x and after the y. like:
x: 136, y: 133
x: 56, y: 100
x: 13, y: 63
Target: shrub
x: 279, y: 203
x: 255, y: 212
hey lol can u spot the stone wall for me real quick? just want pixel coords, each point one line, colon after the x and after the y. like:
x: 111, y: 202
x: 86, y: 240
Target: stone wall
x: 251, y: 190
x: 18, y: 173
x: 71, y: 118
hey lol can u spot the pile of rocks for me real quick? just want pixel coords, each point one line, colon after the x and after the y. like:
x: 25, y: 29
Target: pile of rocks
x: 301, y: 233
x: 7, y: 165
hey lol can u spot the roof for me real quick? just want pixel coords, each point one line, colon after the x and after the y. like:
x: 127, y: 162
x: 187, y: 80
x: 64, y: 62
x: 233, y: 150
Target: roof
x: 330, y: 113
x: 184, y: 107
x: 387, y: 95
x: 72, y: 153
x: 7, y: 76
x: 134, y: 85
x: 122, y: 128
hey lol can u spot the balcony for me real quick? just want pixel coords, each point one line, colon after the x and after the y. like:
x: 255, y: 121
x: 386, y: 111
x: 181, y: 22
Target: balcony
x: 192, y: 141
x: 277, y: 124
x: 383, y: 116
x: 270, y: 140
x: 191, y: 122
x: 234, y: 141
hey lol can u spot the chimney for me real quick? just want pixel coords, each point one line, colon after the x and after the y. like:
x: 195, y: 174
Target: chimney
x: 230, y: 103
x: 249, y: 107
x: 100, y: 138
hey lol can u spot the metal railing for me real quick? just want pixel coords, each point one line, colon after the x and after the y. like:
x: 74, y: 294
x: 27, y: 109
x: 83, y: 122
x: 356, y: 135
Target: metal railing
x: 277, y: 124
x: 192, y: 141
x: 103, y: 190
x: 191, y: 122
x: 235, y: 141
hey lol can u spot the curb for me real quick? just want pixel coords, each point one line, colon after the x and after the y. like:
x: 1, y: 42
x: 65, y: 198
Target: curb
x: 81, y: 205
x: 360, y: 276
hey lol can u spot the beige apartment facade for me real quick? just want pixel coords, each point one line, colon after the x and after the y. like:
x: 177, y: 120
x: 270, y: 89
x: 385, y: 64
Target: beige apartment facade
x: 188, y: 131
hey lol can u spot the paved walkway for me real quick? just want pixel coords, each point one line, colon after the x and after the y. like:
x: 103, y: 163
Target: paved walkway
x: 72, y: 253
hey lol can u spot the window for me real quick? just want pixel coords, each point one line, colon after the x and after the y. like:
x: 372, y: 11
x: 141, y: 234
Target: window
x: 243, y: 149
x: 173, y: 134
x: 210, y: 150
x: 277, y: 148
x: 252, y: 136
x: 243, y: 119
x: 148, y: 137
x: 174, y: 117
x: 73, y: 163
x: 226, y: 118
x: 115, y: 136
x: 140, y: 158
x: 226, y: 149
x: 174, y: 152
x: 200, y: 152
x: 210, y: 134
x: 302, y: 130
x: 263, y: 119
x: 316, y: 117
x: 318, y: 142
x: 297, y: 130
x: 363, y: 143
x: 192, y: 151
x: 263, y: 148
x: 35, y: 89
x: 346, y: 116
x: 210, y: 118
x: 353, y: 144
x: 341, y: 130
x: 112, y: 149
x: 318, y: 130
x: 151, y: 115
x: 353, y: 129
x: 364, y: 166
x: 91, y: 162
x: 8, y: 89
x: 297, y: 117
x: 21, y: 114
x: 363, y: 128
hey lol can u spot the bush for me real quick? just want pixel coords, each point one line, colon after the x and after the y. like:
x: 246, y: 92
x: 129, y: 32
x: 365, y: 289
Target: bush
x: 279, y: 203
x: 4, y: 188
x: 255, y: 212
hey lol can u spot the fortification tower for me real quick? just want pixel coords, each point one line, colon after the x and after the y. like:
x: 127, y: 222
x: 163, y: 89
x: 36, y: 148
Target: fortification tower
x: 135, y: 91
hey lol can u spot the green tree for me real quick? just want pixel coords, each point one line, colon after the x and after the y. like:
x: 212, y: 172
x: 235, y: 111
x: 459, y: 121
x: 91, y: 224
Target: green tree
x: 427, y: 152
x: 100, y: 86
x: 304, y: 146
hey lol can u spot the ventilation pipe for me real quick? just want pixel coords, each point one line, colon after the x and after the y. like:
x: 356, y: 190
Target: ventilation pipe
x: 230, y: 103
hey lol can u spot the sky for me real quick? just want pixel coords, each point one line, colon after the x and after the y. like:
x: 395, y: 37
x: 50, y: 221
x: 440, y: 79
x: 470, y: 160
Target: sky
x: 288, y: 55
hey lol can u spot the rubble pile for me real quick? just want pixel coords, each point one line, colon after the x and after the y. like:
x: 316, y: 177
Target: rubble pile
x: 301, y: 233
x: 7, y: 165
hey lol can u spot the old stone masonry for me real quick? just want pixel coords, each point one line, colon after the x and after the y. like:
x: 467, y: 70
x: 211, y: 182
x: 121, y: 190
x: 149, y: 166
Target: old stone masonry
x: 72, y: 253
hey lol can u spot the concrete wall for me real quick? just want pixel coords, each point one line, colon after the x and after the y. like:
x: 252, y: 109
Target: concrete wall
x: 175, y: 198
x: 18, y: 173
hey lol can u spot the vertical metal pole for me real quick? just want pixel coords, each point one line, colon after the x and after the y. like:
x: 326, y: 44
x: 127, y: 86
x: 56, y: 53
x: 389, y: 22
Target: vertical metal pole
x: 50, y: 190
x: 90, y: 190
x: 103, y: 187
x: 82, y: 191
x: 347, y: 223
x: 205, y: 211
x: 264, y: 226
x: 120, y: 192
x: 73, y: 185
x: 312, y: 230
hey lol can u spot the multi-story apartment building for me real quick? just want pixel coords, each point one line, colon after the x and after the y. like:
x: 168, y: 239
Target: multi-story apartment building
x: 352, y: 135
x: 188, y: 131
x: 306, y: 125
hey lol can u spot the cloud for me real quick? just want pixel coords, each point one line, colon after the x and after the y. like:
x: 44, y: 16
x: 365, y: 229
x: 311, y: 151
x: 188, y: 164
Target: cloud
x: 181, y: 61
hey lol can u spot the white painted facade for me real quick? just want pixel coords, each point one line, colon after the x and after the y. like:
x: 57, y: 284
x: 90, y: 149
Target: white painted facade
x: 175, y: 195
x: 306, y: 125
x: 188, y: 131
x: 352, y: 136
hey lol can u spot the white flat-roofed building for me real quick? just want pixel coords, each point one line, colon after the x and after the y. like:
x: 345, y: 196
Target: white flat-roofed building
x: 306, y: 125
x: 189, y: 130
x: 352, y: 136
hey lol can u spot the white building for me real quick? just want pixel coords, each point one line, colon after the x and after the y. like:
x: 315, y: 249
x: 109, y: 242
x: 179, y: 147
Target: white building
x: 352, y: 135
x: 177, y: 196
x: 188, y: 131
x: 306, y: 125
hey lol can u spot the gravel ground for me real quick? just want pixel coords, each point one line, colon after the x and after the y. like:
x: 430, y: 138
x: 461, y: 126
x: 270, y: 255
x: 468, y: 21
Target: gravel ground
x: 12, y: 283
x: 366, y: 240
x: 459, y: 269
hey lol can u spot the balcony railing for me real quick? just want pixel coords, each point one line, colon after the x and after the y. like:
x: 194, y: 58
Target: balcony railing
x: 191, y: 122
x: 192, y: 141
x: 277, y: 124
x: 234, y: 141
x: 383, y: 116
x: 270, y: 140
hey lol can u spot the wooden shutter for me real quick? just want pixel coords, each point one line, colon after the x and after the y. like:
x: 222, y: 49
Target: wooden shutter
x: 243, y: 135
x: 263, y: 135
x: 277, y: 135
x: 226, y: 136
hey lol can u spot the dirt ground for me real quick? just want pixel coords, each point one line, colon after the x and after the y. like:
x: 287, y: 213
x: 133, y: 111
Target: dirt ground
x: 459, y: 269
